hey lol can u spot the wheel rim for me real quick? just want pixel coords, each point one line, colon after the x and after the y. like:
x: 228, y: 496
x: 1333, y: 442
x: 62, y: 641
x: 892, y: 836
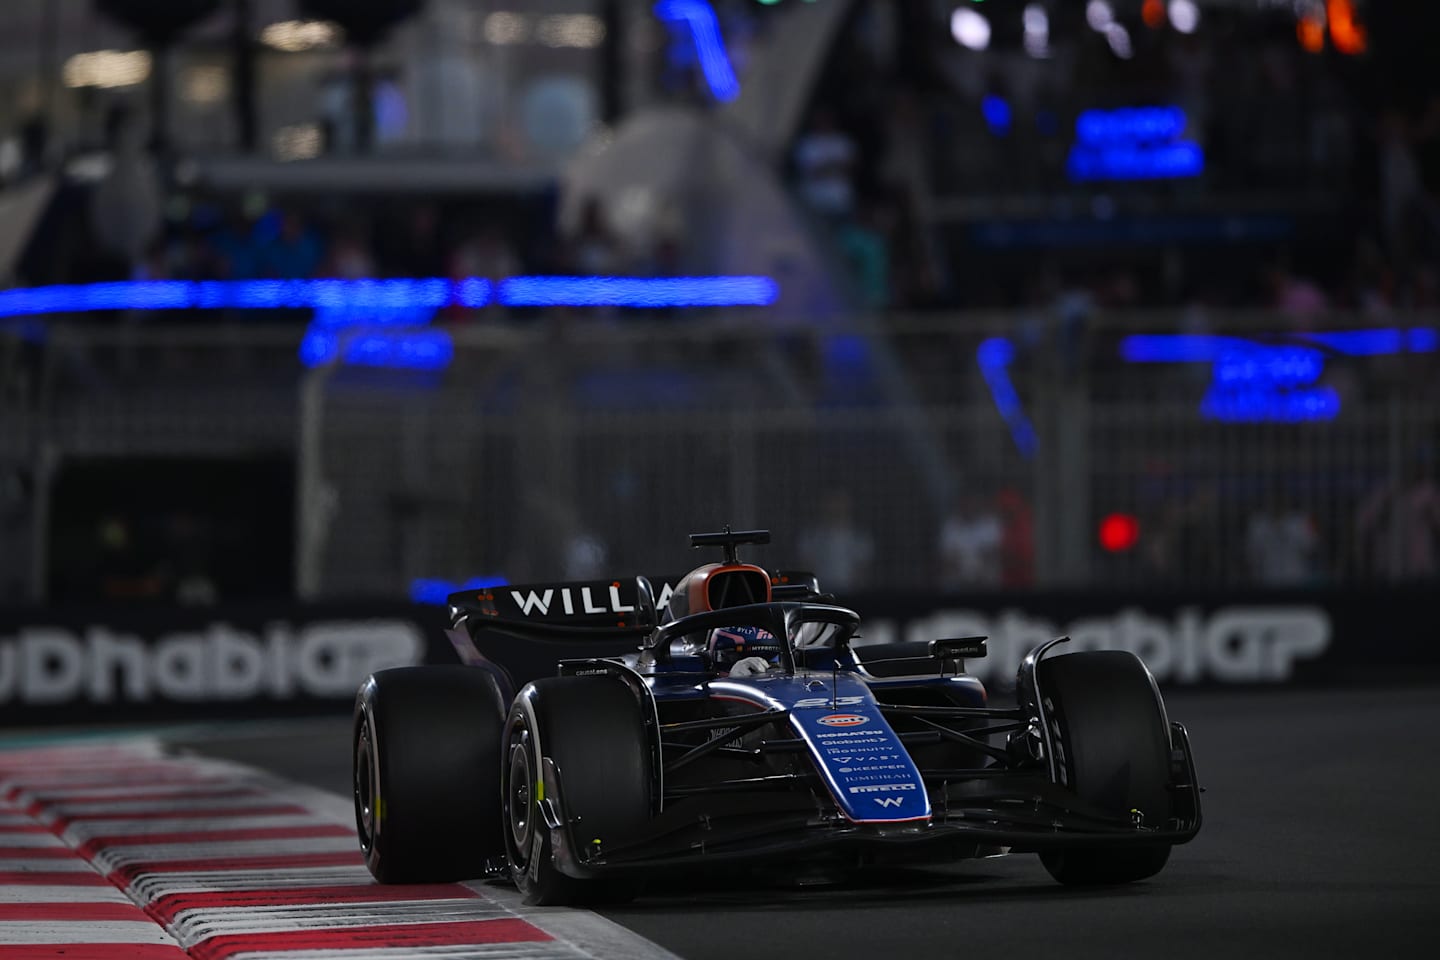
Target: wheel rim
x: 365, y: 791
x: 519, y: 801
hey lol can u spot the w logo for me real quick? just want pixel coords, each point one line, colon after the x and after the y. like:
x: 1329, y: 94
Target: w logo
x: 889, y: 801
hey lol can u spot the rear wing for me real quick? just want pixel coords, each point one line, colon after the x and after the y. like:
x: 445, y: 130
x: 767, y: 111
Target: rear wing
x: 609, y: 608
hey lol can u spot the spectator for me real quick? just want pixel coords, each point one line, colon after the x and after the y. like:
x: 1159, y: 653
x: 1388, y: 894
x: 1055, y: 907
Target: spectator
x: 1017, y: 543
x: 1299, y: 298
x: 125, y: 207
x: 349, y: 257
x: 971, y: 541
x: 865, y: 244
x: 1398, y: 528
x: 836, y: 550
x: 594, y: 249
x: 293, y: 253
x: 825, y: 158
x: 1280, y: 545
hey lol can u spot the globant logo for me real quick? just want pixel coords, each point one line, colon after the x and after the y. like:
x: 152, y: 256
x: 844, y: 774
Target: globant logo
x: 324, y: 659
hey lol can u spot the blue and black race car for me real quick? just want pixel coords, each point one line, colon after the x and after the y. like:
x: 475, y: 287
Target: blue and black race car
x: 597, y: 734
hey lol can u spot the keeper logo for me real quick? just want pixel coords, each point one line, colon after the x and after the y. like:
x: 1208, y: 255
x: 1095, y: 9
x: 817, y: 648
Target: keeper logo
x: 324, y: 658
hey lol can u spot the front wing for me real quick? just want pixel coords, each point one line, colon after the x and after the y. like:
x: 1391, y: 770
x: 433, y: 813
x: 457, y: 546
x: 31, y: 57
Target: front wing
x: 975, y: 817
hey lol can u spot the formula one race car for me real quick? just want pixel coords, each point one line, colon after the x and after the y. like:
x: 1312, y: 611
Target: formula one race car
x: 597, y: 734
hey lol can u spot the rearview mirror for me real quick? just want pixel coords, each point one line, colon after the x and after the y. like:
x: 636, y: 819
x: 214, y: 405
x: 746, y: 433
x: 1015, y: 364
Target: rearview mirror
x: 963, y: 648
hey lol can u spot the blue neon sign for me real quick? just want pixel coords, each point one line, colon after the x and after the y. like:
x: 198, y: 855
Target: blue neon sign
x: 1254, y: 382
x: 1133, y: 143
x: 395, y: 312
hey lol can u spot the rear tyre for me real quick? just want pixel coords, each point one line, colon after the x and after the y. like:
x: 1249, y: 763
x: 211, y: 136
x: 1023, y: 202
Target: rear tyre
x: 426, y: 773
x: 1112, y: 744
x: 591, y: 728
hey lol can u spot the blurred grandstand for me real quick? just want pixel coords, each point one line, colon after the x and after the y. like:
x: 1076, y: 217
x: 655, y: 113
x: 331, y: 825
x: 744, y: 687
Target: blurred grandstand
x: 1124, y: 293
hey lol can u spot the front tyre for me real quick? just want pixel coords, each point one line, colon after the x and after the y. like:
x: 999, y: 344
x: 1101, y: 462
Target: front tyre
x: 1112, y: 746
x: 427, y: 759
x: 592, y: 729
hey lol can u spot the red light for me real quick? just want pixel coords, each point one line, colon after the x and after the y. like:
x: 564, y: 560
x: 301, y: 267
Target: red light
x: 1311, y: 33
x: 1153, y: 13
x: 1119, y: 532
x: 1349, y: 37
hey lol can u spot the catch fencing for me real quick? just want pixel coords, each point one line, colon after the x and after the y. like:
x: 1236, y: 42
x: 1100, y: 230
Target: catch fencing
x: 573, y: 444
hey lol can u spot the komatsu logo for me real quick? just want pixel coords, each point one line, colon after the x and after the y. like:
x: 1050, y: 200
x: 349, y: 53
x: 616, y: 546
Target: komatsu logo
x: 1241, y: 644
x: 328, y: 658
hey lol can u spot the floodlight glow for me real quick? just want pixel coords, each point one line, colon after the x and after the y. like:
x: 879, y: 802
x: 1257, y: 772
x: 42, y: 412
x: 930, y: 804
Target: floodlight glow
x: 1037, y: 31
x: 970, y: 29
x: 107, y: 69
x: 1184, y: 15
x: 1119, y: 39
x: 1099, y: 14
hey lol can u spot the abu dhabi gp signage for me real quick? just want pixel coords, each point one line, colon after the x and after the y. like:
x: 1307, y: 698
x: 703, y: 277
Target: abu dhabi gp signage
x: 1185, y: 639
x: 143, y: 662
x: 1232, y: 644
x: 137, y: 662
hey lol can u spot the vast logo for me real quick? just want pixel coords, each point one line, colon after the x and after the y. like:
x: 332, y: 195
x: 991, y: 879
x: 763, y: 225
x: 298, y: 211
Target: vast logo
x: 843, y: 720
x: 327, y: 658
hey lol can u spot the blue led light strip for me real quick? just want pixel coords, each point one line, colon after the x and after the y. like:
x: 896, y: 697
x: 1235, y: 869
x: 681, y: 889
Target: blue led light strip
x: 994, y: 357
x: 432, y: 590
x: 636, y: 292
x: 396, y: 294
x: 699, y: 16
x: 1206, y: 348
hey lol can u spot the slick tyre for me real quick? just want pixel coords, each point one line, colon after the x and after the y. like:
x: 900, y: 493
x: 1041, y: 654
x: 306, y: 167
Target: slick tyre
x: 592, y: 730
x: 426, y: 773
x: 1112, y: 744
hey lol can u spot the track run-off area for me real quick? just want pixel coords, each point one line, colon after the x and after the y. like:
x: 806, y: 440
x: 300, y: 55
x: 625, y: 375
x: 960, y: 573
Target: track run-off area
x: 236, y: 841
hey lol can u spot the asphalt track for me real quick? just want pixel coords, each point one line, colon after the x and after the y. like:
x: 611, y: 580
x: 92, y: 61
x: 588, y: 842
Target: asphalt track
x: 1321, y: 839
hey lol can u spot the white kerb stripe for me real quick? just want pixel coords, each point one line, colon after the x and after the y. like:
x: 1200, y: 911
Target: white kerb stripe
x: 82, y: 830
x: 67, y: 893
x: 83, y: 931
x: 119, y: 808
x: 38, y: 794
x: 192, y: 926
x: 119, y: 855
x: 30, y: 840
x: 56, y: 865
x: 153, y: 886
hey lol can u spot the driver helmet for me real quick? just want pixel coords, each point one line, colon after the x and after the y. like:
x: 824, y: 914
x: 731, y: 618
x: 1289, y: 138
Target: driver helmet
x: 727, y: 646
